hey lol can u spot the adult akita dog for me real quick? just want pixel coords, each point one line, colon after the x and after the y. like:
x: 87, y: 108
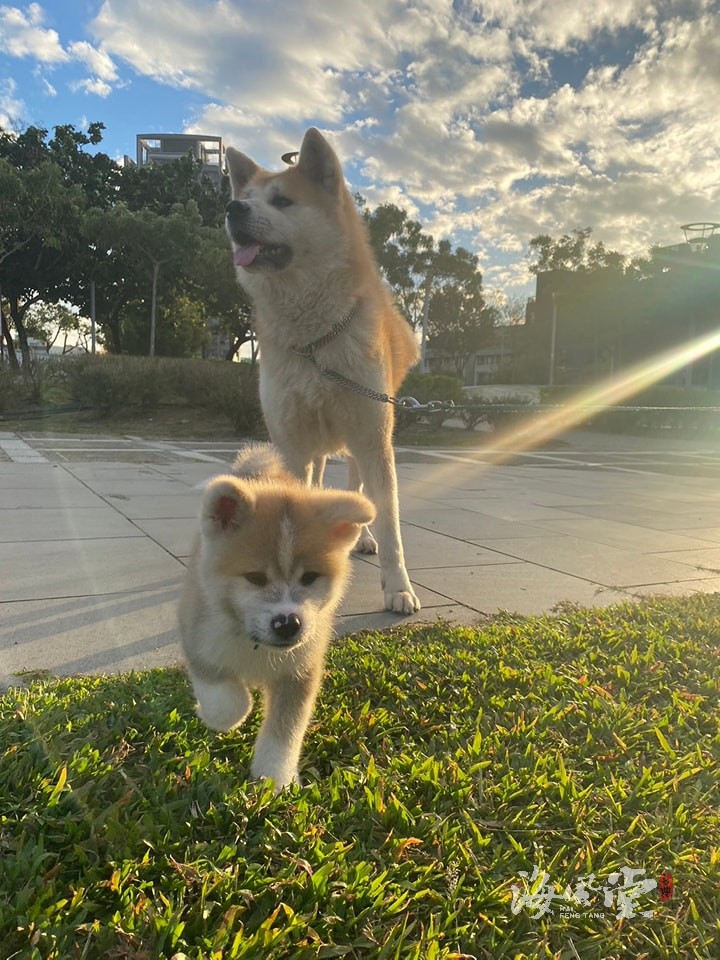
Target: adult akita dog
x: 324, y: 317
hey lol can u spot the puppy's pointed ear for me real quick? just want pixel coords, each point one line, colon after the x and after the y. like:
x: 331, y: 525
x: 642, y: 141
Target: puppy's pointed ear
x: 226, y: 505
x: 240, y: 168
x: 345, y: 513
x: 318, y: 162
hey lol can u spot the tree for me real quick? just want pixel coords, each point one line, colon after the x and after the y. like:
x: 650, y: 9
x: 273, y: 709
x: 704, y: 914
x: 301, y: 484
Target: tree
x: 45, y: 186
x: 404, y: 254
x: 47, y: 321
x: 437, y: 287
x: 215, y: 284
x: 159, y: 187
x: 131, y: 248
x: 573, y: 251
x: 38, y: 264
x: 459, y: 319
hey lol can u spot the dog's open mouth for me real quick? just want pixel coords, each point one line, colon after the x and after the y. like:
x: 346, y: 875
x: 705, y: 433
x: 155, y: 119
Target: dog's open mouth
x: 251, y: 253
x: 274, y: 643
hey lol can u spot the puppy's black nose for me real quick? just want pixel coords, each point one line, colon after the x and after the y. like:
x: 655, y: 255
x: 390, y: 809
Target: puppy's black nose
x: 285, y: 627
x: 236, y: 210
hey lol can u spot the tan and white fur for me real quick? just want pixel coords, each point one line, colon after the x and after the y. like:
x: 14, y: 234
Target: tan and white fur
x: 302, y: 254
x: 265, y: 578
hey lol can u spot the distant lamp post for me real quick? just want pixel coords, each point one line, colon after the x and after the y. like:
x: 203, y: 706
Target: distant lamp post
x: 92, y: 316
x: 425, y: 318
x: 553, y: 339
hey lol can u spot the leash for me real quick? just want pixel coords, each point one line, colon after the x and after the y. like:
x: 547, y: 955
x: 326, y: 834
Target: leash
x: 308, y: 352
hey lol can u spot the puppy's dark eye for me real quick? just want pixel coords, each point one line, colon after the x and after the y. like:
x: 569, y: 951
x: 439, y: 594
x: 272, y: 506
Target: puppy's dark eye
x: 257, y: 578
x: 280, y: 201
x: 310, y: 576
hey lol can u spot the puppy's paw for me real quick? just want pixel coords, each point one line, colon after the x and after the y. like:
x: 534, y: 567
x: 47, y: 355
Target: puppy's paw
x: 366, y: 542
x: 402, y: 601
x: 223, y: 705
x: 280, y: 779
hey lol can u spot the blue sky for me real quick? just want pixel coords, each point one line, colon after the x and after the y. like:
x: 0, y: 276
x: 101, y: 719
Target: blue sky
x: 490, y: 121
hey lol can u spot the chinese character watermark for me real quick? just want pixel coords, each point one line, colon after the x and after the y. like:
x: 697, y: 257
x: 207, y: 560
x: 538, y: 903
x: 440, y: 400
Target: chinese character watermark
x: 621, y: 891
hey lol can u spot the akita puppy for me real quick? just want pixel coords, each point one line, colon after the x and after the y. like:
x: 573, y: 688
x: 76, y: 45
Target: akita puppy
x: 326, y: 324
x: 267, y: 573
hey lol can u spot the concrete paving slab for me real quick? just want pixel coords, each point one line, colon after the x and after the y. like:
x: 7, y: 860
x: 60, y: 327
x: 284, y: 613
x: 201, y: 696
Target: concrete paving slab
x: 364, y: 595
x: 711, y: 534
x: 453, y: 614
x: 118, y: 488
x: 655, y: 519
x: 93, y: 549
x: 178, y: 506
x: 104, y: 633
x: 595, y: 562
x: 627, y: 535
x: 14, y: 476
x: 81, y: 568
x: 426, y: 549
x: 470, y: 525
x: 523, y: 588
x: 94, y: 523
x: 48, y: 497
x: 175, y: 535
x: 682, y: 588
x: 504, y: 509
x: 703, y: 559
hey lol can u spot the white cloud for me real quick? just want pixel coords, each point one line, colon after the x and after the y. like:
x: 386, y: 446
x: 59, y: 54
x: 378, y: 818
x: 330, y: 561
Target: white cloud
x: 22, y: 35
x: 11, y: 107
x: 455, y: 108
x: 49, y: 89
x: 92, y: 85
x: 100, y: 64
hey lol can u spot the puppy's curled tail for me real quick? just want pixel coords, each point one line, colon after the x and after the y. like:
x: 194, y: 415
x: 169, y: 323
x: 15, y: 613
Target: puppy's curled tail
x: 260, y: 461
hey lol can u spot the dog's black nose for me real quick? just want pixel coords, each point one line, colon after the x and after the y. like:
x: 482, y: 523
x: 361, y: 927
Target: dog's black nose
x: 285, y: 627
x: 236, y: 209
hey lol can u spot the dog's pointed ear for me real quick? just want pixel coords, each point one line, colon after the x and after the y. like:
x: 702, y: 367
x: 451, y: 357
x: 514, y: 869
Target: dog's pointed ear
x: 226, y: 505
x: 319, y: 163
x: 345, y: 513
x: 240, y: 168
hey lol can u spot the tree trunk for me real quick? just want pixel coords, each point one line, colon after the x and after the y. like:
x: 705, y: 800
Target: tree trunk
x: 153, y: 308
x: 17, y: 318
x: 7, y: 340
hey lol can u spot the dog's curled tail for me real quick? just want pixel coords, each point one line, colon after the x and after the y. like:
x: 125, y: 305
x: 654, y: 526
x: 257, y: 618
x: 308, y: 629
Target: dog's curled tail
x: 260, y: 461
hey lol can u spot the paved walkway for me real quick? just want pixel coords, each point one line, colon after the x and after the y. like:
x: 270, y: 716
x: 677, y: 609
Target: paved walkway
x: 94, y: 532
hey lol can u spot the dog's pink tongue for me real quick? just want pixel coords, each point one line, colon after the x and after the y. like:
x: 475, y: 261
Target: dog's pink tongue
x: 244, y: 256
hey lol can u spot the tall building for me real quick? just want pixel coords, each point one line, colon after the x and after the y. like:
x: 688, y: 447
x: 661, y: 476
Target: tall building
x: 165, y: 147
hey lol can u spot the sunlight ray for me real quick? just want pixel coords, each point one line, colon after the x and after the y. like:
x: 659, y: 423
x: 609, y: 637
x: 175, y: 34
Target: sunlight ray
x: 607, y: 393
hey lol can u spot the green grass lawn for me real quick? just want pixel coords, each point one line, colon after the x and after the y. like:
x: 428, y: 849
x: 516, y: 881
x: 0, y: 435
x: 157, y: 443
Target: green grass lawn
x: 441, y: 765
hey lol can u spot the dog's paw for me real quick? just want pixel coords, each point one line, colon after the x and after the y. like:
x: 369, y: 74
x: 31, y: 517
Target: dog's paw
x: 223, y: 705
x: 403, y: 601
x: 280, y: 779
x: 366, y: 542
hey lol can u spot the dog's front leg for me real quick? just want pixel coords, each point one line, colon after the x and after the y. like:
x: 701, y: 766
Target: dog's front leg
x: 380, y: 481
x: 366, y: 541
x: 221, y: 704
x: 289, y: 704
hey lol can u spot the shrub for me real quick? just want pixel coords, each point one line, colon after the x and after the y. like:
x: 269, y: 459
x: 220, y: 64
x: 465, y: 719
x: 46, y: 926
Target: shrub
x: 659, y: 407
x: 111, y: 383
x: 11, y: 388
x: 427, y: 386
x: 234, y: 393
x: 494, y: 410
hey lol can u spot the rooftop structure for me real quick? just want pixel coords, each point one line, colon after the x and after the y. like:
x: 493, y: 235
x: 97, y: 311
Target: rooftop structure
x: 165, y: 147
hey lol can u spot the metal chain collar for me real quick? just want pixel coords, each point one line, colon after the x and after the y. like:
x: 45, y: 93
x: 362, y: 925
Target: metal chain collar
x: 308, y: 352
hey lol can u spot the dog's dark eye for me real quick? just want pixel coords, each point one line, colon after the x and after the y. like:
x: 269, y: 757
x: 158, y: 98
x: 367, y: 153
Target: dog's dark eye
x: 257, y: 578
x: 280, y: 201
x: 310, y: 576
